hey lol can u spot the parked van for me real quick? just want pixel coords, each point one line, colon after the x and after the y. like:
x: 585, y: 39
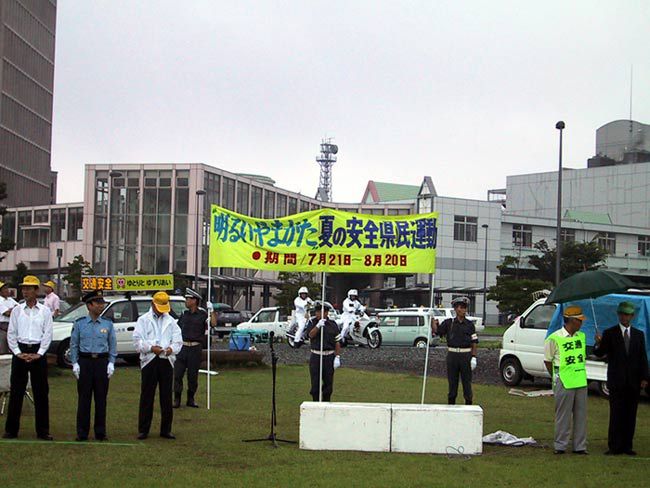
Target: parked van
x: 406, y: 328
x: 522, y: 353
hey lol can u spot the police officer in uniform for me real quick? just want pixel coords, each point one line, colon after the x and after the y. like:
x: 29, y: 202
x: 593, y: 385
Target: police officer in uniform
x: 461, y: 350
x: 193, y: 324
x: 330, y: 353
x: 93, y: 350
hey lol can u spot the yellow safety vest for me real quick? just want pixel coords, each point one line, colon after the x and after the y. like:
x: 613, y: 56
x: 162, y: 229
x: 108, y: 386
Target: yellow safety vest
x: 573, y: 357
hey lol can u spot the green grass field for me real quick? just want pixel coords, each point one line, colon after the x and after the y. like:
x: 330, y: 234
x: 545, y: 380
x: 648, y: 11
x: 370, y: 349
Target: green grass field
x: 209, y: 450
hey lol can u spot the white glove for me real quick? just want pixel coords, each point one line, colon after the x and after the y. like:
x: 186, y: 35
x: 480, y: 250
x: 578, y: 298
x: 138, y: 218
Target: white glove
x: 210, y: 306
x: 76, y: 370
x: 110, y: 369
x: 337, y: 362
x: 321, y: 323
x: 473, y: 363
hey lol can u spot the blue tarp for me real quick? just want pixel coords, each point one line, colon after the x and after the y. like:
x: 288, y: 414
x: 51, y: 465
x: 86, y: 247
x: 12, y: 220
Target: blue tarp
x: 606, y: 317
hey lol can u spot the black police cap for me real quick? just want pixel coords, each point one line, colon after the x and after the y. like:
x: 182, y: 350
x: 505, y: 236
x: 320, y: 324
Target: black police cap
x: 93, y: 296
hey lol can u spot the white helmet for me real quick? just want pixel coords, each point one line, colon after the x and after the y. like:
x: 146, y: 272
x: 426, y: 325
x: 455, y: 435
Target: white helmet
x: 352, y: 293
x: 303, y: 289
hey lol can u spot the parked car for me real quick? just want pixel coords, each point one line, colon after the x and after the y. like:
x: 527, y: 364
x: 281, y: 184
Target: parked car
x: 449, y: 313
x: 406, y: 328
x: 227, y: 319
x: 269, y: 319
x: 122, y: 310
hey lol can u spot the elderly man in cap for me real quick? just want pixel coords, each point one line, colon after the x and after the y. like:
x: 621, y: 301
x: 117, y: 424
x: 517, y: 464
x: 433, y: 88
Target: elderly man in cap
x: 52, y: 300
x: 627, y: 374
x: 6, y: 306
x: 158, y: 339
x: 462, y: 344
x: 565, y: 356
x: 29, y: 336
x: 193, y: 324
x: 93, y: 350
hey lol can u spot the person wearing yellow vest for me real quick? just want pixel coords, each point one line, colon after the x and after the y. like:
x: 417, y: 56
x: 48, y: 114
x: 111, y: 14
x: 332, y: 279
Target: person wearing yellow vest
x: 565, y: 356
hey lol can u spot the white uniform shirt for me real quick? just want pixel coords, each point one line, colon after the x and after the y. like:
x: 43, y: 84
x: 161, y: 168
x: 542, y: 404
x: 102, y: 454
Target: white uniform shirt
x: 152, y: 330
x: 301, y: 306
x: 30, y: 326
x: 6, y: 304
x: 351, y: 307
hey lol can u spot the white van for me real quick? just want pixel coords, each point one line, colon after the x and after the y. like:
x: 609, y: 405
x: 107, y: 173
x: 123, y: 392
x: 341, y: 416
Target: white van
x: 522, y: 353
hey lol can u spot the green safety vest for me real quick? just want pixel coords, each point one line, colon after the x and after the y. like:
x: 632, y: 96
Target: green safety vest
x: 573, y: 357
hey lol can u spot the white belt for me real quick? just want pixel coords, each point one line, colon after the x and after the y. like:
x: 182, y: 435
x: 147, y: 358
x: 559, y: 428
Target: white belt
x: 459, y: 349
x: 191, y: 343
x: 324, y: 353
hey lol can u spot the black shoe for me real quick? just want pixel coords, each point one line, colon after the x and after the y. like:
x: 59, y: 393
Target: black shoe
x: 581, y: 452
x: 630, y: 452
x: 192, y: 403
x: 609, y: 452
x: 558, y: 451
x: 81, y: 439
x: 177, y: 402
x: 7, y: 435
x: 101, y: 438
x: 45, y: 437
x: 168, y: 435
x: 142, y: 436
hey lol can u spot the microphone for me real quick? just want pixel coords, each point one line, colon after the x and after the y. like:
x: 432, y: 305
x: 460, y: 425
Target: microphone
x: 271, y: 334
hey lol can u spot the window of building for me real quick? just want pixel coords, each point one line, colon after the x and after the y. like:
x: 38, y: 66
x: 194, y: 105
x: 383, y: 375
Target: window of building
x: 182, y: 178
x: 41, y: 216
x: 644, y: 245
x: 293, y: 206
x: 24, y: 220
x: 229, y: 193
x: 465, y: 228
x: 256, y: 201
x: 57, y: 224
x: 304, y: 206
x: 75, y: 223
x: 269, y: 204
x: 33, y: 237
x: 133, y: 179
x: 242, y: 198
x: 212, y: 187
x: 567, y: 235
x: 522, y: 235
x: 9, y: 226
x: 607, y: 241
x: 281, y: 205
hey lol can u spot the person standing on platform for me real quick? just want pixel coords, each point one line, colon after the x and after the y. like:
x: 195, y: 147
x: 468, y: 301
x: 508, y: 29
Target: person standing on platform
x: 158, y: 339
x: 565, y: 356
x: 462, y: 344
x: 93, y: 350
x: 6, y: 306
x: 29, y: 336
x: 627, y: 374
x: 193, y: 324
x: 52, y: 300
x: 330, y: 354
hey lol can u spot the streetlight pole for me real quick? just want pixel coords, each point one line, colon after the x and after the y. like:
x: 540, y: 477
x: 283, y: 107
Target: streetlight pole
x: 485, y: 226
x: 558, y: 251
x: 59, y: 255
x: 198, y: 240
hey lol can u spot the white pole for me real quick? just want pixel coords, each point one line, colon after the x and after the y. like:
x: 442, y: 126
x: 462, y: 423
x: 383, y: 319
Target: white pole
x: 209, y: 375
x: 432, y: 281
x: 322, y: 334
x: 593, y: 312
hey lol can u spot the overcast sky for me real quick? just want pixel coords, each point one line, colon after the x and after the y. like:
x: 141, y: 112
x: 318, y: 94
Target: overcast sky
x: 465, y: 92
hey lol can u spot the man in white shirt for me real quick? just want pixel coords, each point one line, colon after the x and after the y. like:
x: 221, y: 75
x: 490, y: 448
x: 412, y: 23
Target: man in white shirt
x: 351, y: 309
x: 157, y: 337
x: 52, y: 300
x: 29, y: 336
x: 6, y: 306
x: 301, y: 302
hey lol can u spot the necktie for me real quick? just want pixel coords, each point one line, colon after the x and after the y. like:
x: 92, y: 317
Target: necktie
x: 626, y: 339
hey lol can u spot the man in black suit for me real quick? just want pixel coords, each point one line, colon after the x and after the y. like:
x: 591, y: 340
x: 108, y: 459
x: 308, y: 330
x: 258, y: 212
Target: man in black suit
x: 627, y: 374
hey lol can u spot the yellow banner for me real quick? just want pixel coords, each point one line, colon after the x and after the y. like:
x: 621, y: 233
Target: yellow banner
x: 128, y: 282
x: 325, y: 240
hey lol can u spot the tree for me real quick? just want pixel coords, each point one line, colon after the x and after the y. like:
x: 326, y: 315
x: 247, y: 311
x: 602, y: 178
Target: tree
x: 18, y: 277
x: 291, y: 282
x: 575, y: 258
x: 513, y: 295
x: 78, y: 267
x: 6, y: 244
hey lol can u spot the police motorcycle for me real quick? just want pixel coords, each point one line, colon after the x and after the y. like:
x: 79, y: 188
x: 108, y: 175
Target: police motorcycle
x: 293, y: 328
x: 364, y: 331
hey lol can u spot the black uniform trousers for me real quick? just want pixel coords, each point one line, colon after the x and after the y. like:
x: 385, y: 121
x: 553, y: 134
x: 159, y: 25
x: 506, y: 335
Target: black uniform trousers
x: 458, y: 363
x: 158, y: 372
x: 93, y: 381
x: 189, y: 358
x: 328, y: 376
x: 623, y: 403
x: 20, y: 372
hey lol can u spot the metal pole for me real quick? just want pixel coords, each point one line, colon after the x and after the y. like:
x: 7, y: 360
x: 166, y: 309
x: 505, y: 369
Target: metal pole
x: 558, y: 248
x: 209, y: 341
x: 198, y: 241
x: 59, y: 255
x: 322, y: 335
x: 432, y: 280
x: 485, y: 226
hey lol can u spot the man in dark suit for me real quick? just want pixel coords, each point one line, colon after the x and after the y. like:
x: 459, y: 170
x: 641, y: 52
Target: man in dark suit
x: 627, y: 374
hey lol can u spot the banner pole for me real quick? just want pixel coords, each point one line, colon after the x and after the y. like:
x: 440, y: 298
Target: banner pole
x: 432, y: 280
x: 209, y: 333
x: 322, y: 335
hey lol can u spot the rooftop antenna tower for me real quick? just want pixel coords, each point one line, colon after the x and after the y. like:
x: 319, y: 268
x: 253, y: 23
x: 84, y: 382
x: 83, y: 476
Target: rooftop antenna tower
x: 326, y: 159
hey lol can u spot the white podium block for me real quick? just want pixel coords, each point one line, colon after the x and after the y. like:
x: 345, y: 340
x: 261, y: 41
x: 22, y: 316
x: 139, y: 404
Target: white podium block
x: 345, y: 426
x: 438, y: 429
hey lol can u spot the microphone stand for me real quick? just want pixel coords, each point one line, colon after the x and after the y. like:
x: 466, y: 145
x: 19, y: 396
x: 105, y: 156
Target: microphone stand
x: 274, y: 419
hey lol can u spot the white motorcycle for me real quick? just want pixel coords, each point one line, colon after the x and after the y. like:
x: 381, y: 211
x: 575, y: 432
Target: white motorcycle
x: 364, y: 331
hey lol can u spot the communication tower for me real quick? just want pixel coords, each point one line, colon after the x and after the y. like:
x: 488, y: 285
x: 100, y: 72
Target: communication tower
x: 326, y: 159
